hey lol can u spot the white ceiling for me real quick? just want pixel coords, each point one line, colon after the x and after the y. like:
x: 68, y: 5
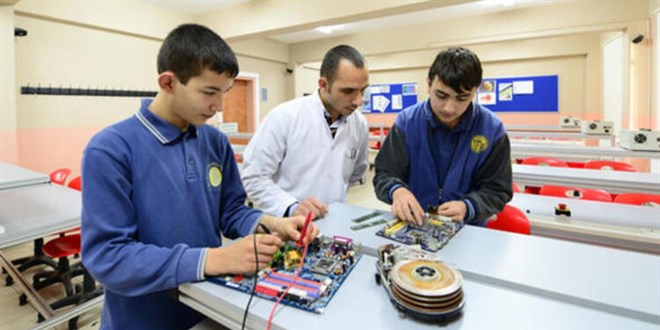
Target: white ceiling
x: 196, y: 7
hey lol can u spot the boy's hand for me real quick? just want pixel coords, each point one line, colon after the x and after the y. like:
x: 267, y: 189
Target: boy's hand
x: 239, y: 257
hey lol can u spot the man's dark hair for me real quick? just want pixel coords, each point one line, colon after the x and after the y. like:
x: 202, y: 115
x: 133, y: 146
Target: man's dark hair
x: 335, y: 55
x: 190, y: 48
x: 458, y: 68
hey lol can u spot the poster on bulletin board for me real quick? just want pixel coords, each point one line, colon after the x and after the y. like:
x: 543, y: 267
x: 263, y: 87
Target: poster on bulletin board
x: 389, y: 98
x: 529, y: 94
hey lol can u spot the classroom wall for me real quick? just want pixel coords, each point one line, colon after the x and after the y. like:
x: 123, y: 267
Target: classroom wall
x: 77, y: 43
x: 654, y: 38
x: 275, y: 83
x: 528, y: 41
x: 565, y: 57
x: 71, y: 45
x: 307, y: 79
x: 8, y: 143
x: 53, y: 130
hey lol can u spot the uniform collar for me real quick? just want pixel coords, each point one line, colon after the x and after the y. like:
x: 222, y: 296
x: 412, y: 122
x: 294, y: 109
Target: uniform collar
x: 161, y: 129
x: 326, y: 113
x: 463, y: 124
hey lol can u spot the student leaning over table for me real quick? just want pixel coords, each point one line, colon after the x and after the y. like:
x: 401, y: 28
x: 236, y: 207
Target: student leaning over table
x: 160, y: 187
x: 447, y: 151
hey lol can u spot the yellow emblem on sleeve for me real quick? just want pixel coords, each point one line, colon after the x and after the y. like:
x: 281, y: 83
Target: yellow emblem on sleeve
x: 215, y: 176
x: 479, y: 144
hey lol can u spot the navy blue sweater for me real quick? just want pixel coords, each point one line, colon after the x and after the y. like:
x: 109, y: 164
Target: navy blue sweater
x: 477, y: 168
x: 154, y: 199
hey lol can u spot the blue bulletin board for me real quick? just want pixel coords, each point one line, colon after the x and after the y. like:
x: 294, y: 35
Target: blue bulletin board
x: 529, y: 94
x: 389, y: 98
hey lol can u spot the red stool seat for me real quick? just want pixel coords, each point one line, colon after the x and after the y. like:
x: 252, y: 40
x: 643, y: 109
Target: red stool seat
x: 575, y: 164
x: 578, y: 193
x: 59, y: 175
x: 511, y: 219
x: 376, y: 146
x: 637, y: 199
x: 609, y: 165
x: 63, y: 246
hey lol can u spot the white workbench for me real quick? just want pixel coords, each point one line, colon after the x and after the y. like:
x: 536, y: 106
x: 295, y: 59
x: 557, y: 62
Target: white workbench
x: 523, y: 150
x: 510, y: 281
x: 611, y: 181
x: 12, y: 176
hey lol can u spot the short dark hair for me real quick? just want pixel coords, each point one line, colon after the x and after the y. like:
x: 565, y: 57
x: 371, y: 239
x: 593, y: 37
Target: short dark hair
x: 190, y: 48
x: 335, y: 55
x: 458, y: 68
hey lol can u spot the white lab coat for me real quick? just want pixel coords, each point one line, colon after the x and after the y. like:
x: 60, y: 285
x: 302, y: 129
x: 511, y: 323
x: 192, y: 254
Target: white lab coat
x: 293, y: 156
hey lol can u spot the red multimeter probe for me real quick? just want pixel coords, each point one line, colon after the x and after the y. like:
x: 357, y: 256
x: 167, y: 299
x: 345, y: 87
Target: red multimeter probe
x: 308, y: 220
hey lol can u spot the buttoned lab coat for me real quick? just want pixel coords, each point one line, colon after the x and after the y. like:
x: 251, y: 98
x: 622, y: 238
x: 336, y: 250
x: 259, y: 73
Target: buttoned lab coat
x: 293, y: 156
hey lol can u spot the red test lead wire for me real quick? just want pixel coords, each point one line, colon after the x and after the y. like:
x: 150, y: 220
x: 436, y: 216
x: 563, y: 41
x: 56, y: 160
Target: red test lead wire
x: 295, y: 278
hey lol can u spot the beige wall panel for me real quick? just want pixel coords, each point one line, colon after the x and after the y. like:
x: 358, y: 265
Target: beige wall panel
x: 53, y: 130
x: 655, y: 65
x: 573, y: 58
x: 261, y: 48
x: 307, y: 79
x: 129, y: 16
x: 8, y: 144
x: 61, y: 55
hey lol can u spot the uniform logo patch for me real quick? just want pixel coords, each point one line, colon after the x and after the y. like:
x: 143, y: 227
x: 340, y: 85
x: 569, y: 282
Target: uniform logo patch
x: 479, y: 144
x: 215, y: 175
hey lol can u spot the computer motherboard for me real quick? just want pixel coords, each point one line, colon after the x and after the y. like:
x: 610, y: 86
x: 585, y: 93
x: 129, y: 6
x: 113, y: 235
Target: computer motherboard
x: 327, y: 264
x: 432, y: 235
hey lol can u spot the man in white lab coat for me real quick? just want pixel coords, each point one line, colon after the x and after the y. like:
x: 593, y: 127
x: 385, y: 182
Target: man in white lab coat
x: 309, y: 150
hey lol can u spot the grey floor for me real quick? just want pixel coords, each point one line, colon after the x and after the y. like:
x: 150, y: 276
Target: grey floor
x: 13, y: 316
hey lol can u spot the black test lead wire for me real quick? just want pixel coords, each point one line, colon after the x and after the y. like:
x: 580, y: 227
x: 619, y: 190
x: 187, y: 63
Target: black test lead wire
x: 256, y: 272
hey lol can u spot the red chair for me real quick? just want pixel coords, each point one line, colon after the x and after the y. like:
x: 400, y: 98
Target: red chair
x: 515, y: 188
x: 575, y: 164
x: 544, y: 161
x: 76, y: 183
x: 62, y: 248
x: 377, y: 145
x: 609, y: 165
x: 578, y: 193
x: 59, y: 248
x: 511, y: 219
x: 637, y: 199
x: 60, y: 175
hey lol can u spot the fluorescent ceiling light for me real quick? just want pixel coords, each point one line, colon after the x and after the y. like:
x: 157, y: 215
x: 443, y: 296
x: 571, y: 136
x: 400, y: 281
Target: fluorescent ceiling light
x: 508, y: 3
x: 503, y: 3
x: 328, y: 29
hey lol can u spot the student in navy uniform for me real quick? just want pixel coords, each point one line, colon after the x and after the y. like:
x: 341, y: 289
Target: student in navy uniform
x: 446, y: 152
x: 160, y: 187
x: 308, y: 151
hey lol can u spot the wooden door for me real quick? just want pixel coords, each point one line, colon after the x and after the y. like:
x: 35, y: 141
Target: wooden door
x: 236, y: 109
